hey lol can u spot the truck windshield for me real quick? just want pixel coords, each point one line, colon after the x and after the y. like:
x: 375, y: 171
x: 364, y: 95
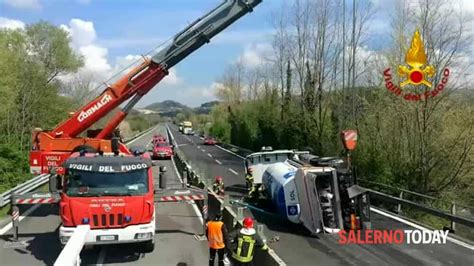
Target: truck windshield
x: 162, y: 144
x: 91, y: 184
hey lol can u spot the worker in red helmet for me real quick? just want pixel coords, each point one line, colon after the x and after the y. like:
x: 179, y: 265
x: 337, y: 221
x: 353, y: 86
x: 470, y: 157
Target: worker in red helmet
x: 246, y: 241
x: 218, y: 186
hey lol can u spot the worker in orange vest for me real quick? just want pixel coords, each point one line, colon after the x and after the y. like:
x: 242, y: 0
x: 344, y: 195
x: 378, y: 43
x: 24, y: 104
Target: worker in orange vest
x: 217, y: 236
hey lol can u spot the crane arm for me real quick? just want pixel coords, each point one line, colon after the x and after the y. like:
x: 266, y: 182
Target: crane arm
x: 202, y: 30
x: 143, y: 78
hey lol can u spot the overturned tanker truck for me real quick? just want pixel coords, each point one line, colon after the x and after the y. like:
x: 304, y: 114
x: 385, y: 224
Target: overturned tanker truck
x: 319, y: 193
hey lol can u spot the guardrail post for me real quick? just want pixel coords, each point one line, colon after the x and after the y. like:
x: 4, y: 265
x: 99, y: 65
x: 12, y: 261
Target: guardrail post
x: 15, y: 220
x: 240, y: 215
x: 162, y: 178
x: 453, y: 212
x: 226, y: 201
x: 260, y: 233
x: 399, y: 208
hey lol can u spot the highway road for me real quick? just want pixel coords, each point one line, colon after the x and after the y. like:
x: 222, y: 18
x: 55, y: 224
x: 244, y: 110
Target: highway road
x: 294, y: 246
x: 176, y: 224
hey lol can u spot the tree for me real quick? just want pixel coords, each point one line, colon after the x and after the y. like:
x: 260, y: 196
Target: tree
x: 30, y: 61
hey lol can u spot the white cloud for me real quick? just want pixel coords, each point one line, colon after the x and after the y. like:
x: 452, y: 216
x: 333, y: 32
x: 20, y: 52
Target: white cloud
x: 172, y: 79
x: 196, y: 95
x: 24, y: 4
x: 95, y: 62
x: 6, y: 23
x: 82, y: 32
x: 83, y: 41
x: 255, y: 54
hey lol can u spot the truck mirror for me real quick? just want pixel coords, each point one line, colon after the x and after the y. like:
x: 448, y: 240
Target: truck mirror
x: 115, y: 145
x: 55, y: 183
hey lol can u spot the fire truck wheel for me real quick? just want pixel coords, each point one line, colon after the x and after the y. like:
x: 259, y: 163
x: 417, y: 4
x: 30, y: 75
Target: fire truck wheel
x: 86, y: 148
x: 148, y: 246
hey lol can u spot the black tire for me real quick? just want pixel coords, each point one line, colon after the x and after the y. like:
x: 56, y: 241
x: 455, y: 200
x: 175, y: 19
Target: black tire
x: 86, y: 148
x: 148, y: 246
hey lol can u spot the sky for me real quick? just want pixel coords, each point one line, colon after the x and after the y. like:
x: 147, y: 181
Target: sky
x: 110, y: 34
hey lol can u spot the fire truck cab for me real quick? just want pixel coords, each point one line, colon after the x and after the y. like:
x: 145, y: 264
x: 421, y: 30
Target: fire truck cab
x: 112, y: 194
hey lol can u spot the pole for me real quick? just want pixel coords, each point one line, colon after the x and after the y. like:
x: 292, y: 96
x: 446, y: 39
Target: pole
x: 15, y: 220
x: 453, y: 212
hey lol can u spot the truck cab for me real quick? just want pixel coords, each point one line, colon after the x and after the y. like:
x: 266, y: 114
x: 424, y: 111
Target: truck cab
x: 259, y: 161
x: 114, y: 195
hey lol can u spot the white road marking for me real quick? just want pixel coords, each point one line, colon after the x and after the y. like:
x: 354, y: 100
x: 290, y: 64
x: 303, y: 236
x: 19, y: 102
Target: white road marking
x: 210, y: 155
x: 219, y: 162
x: 229, y: 151
x: 9, y: 226
x: 396, y: 218
x: 193, y: 203
x: 101, y: 258
x: 199, y: 147
x: 203, y: 150
x: 232, y: 170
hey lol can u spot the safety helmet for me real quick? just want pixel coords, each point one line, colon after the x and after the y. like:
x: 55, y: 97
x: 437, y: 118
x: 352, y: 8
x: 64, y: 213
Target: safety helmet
x: 248, y: 222
x: 219, y: 178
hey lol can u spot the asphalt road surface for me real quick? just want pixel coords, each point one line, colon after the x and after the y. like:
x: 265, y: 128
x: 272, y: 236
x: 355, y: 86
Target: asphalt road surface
x: 295, y: 247
x: 176, y: 224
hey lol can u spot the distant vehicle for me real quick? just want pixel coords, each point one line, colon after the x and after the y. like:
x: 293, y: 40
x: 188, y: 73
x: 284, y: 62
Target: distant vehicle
x: 180, y: 128
x: 162, y: 149
x: 159, y: 138
x: 209, y: 141
x: 187, y: 128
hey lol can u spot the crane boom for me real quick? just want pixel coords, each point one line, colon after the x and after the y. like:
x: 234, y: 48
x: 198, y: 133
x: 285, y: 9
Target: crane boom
x: 62, y: 140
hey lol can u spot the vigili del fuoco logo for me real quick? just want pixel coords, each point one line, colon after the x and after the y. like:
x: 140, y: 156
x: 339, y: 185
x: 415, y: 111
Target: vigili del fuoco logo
x: 418, y: 74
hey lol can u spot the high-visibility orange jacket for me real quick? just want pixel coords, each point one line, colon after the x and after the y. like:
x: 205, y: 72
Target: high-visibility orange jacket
x: 216, y: 234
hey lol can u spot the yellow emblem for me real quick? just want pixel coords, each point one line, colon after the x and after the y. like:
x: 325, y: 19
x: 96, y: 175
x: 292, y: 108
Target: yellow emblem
x: 416, y: 59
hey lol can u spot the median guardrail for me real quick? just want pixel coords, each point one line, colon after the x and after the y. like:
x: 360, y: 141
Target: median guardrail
x: 232, y: 217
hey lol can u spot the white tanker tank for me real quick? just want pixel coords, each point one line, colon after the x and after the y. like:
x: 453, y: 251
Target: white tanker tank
x: 311, y: 195
x: 278, y: 184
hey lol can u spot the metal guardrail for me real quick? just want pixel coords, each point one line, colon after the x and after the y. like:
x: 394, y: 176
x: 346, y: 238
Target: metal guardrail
x: 70, y: 254
x: 232, y: 218
x: 422, y: 207
x: 28, y: 186
x: 235, y: 149
x: 38, y: 181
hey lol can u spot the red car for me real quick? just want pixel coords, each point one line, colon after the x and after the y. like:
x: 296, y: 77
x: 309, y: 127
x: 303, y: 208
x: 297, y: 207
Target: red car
x: 161, y: 148
x: 209, y: 141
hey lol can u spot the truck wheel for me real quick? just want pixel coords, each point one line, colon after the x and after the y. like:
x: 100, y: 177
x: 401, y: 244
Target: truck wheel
x: 148, y: 246
x: 85, y: 148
